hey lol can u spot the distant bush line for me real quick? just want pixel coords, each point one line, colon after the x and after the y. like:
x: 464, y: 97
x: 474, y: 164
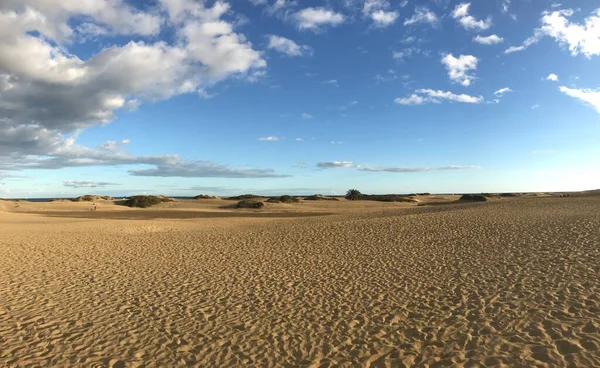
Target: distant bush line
x: 144, y: 201
x: 250, y: 203
x: 474, y: 197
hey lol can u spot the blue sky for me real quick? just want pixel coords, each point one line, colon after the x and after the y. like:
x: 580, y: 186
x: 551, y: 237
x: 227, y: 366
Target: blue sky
x: 181, y: 97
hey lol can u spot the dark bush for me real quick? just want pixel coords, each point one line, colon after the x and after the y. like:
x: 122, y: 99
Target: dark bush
x: 320, y: 197
x: 388, y: 198
x: 354, y: 195
x: 204, y: 196
x: 473, y: 197
x: 423, y: 194
x: 283, y: 199
x: 144, y: 201
x: 243, y: 197
x: 249, y: 203
x: 91, y: 198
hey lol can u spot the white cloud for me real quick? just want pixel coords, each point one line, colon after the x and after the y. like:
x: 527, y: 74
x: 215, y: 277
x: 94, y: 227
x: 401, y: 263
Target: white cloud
x: 502, y: 91
x: 315, y: 18
x: 332, y: 82
x: 556, y: 5
x: 406, y: 53
x: 505, y: 6
x: 414, y: 169
x: 48, y: 93
x: 459, y: 68
x: 581, y: 38
x: 269, y: 138
x: 287, y: 46
x: 299, y: 139
x: 423, y: 96
x: 306, y: 116
x: 461, y: 14
x: 382, y: 18
x: 86, y: 184
x: 536, y: 106
x: 552, y: 77
x: 489, y: 40
x: 411, y: 100
x: 335, y: 164
x: 422, y: 15
x: 588, y: 96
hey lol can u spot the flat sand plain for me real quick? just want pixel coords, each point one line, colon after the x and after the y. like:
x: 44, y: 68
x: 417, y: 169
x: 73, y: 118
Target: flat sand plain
x: 511, y: 282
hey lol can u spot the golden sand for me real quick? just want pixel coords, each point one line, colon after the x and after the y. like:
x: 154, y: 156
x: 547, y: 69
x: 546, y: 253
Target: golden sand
x: 511, y: 282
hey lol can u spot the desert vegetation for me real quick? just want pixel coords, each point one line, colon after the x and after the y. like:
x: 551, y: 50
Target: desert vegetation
x: 283, y: 199
x: 474, y: 197
x: 354, y: 195
x: 250, y: 203
x: 320, y: 197
x: 91, y: 198
x: 389, y: 198
x: 244, y: 196
x: 144, y: 201
x: 205, y: 196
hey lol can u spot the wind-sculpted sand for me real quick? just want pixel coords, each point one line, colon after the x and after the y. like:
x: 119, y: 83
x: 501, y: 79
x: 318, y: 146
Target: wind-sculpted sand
x: 510, y: 282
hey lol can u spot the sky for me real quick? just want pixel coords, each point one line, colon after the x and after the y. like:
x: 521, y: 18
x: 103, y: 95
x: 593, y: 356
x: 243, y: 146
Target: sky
x: 182, y: 97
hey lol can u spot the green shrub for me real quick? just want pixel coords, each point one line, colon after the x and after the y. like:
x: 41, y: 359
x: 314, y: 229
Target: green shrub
x: 144, y: 201
x: 249, y: 203
x: 354, y: 195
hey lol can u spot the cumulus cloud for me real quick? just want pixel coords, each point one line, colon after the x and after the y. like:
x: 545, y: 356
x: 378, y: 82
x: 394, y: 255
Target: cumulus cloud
x: 86, y: 184
x: 580, y: 38
x: 48, y: 94
x: 413, y: 99
x: 315, y: 18
x: 382, y: 18
x: 414, y: 169
x: 422, y: 15
x: 502, y: 91
x: 489, y: 40
x: 269, y: 138
x: 461, y: 14
x: 588, y: 96
x: 459, y: 68
x: 423, y: 96
x: 552, y: 77
x: 335, y: 164
x: 288, y: 47
x: 378, y: 11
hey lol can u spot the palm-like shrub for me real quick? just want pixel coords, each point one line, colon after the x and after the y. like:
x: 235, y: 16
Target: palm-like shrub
x: 353, y: 195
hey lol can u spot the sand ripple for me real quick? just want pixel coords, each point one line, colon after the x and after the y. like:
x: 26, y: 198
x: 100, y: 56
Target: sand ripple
x: 509, y: 283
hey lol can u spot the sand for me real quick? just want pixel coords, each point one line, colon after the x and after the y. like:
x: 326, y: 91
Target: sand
x: 511, y: 282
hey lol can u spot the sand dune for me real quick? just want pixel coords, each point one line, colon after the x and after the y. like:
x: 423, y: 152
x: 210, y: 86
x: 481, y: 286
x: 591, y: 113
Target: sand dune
x: 512, y: 282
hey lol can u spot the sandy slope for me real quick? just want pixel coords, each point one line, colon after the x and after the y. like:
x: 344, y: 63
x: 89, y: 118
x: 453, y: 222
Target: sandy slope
x: 512, y: 282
